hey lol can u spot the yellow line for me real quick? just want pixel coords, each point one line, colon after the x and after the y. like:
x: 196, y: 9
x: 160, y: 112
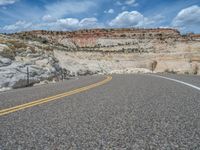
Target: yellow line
x: 52, y: 98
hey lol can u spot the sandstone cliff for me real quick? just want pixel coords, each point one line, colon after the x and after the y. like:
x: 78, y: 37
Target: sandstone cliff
x: 127, y: 48
x: 50, y: 54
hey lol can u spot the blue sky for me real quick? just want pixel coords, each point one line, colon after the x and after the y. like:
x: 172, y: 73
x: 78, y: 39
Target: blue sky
x: 23, y: 15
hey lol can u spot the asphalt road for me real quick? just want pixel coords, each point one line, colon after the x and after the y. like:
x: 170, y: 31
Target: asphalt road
x: 128, y: 112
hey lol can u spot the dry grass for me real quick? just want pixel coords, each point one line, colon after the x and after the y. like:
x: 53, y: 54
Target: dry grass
x: 17, y: 44
x: 170, y: 71
x: 195, y: 69
x: 8, y: 53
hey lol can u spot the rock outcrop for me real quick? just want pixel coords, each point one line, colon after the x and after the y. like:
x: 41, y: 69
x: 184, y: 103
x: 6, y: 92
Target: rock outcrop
x: 17, y: 56
x: 52, y: 55
x: 113, y: 49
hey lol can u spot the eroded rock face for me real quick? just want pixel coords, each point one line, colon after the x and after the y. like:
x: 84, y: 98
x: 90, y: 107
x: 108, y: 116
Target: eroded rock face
x: 42, y: 65
x: 114, y: 49
x: 4, y: 61
x: 112, y: 40
x: 137, y: 47
x: 14, y: 75
x: 54, y: 55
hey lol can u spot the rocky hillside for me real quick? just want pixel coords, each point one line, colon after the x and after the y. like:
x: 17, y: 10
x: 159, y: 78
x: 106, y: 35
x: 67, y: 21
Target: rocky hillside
x: 16, y: 56
x: 111, y: 40
x: 52, y: 55
x: 126, y: 48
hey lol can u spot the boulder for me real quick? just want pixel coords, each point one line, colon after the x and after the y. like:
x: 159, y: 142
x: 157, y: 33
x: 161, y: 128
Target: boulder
x: 15, y: 74
x: 5, y: 61
x: 85, y: 72
x: 20, y: 81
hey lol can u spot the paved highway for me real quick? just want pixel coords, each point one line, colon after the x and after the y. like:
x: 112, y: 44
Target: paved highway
x: 99, y: 112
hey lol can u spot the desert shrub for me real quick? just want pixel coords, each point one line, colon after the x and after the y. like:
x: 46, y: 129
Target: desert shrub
x: 153, y: 65
x: 17, y: 44
x: 123, y: 35
x: 44, y: 41
x: 32, y: 49
x: 170, y: 71
x: 186, y: 72
x: 196, y: 69
x: 8, y: 53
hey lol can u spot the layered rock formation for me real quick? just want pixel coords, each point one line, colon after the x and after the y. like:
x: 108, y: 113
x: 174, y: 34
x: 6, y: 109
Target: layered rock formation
x: 98, y: 51
x: 112, y: 40
x: 16, y: 56
x: 128, y: 48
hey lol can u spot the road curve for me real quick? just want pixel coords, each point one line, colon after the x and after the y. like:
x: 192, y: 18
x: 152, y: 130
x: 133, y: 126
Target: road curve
x: 128, y: 112
x: 53, y: 98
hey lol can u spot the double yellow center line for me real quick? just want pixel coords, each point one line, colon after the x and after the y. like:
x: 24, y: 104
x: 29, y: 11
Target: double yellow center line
x: 52, y: 98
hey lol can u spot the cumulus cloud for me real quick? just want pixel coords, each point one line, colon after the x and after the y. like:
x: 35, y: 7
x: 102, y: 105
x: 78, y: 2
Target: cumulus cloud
x: 18, y: 26
x: 188, y: 20
x: 188, y: 17
x: 127, y: 2
x: 7, y: 2
x: 48, y: 18
x: 110, y: 11
x: 62, y: 8
x: 64, y: 24
x: 128, y: 19
x: 135, y: 19
x: 73, y: 23
x: 89, y: 23
x: 68, y: 23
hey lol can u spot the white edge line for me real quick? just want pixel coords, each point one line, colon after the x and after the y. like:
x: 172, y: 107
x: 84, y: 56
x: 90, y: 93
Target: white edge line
x: 178, y: 81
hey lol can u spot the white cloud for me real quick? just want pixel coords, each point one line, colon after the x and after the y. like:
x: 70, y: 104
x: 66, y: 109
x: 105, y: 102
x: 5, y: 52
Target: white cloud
x: 73, y: 23
x: 62, y: 8
x: 134, y: 19
x: 63, y: 24
x: 88, y: 23
x: 188, y: 20
x: 110, y: 11
x: 18, y: 26
x: 188, y: 17
x: 127, y: 2
x: 48, y: 18
x: 59, y: 25
x: 68, y: 22
x: 128, y: 19
x: 7, y: 2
